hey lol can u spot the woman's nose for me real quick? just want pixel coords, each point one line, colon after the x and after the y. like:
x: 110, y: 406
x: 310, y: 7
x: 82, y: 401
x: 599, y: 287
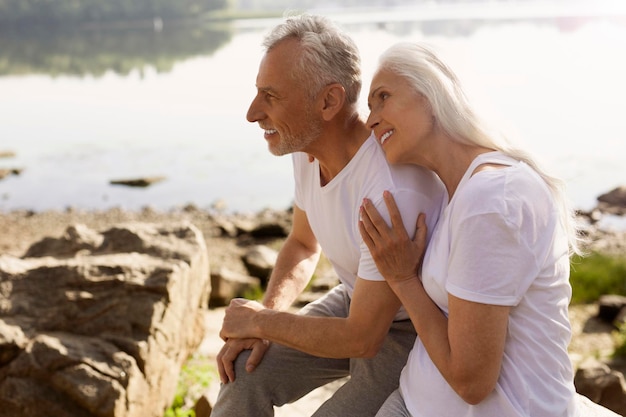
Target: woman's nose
x: 372, y: 120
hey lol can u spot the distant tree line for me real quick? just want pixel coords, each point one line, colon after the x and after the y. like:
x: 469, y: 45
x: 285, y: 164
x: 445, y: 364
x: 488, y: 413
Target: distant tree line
x: 16, y: 13
x: 94, y: 53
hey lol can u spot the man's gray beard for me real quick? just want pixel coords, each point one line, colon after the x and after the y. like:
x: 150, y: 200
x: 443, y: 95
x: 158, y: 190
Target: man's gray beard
x: 290, y: 144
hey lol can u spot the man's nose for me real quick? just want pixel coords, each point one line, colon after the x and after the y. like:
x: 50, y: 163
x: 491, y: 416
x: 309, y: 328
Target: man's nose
x: 254, y: 112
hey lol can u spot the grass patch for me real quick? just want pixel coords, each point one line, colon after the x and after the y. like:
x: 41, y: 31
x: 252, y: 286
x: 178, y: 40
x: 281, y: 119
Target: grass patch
x: 620, y: 338
x: 595, y: 275
x: 195, y: 378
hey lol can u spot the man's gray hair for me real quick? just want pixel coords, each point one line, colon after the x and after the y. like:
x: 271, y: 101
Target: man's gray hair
x: 328, y: 55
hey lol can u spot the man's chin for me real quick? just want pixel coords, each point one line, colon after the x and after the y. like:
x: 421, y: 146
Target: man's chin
x: 276, y: 151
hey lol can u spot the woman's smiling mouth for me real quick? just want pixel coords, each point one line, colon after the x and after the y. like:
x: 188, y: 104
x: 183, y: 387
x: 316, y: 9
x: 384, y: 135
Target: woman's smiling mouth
x: 386, y: 136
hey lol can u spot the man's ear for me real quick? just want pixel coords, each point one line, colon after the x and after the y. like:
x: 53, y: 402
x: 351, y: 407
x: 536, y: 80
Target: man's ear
x: 334, y: 97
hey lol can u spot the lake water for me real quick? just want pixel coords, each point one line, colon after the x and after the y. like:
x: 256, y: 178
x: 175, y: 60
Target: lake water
x: 552, y: 81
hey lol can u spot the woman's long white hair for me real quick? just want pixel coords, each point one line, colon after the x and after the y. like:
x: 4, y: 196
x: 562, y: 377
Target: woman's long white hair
x: 453, y: 113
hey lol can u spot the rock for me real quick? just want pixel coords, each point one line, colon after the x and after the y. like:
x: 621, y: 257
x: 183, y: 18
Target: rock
x: 273, y: 224
x: 11, y: 171
x: 137, y: 182
x: 615, y: 197
x: 614, y: 201
x: 270, y: 230
x: 103, y: 333
x: 596, y: 381
x: 76, y: 238
x: 227, y: 284
x: 260, y: 261
x: 610, y: 306
x: 620, y: 319
x: 226, y: 227
x: 324, y: 282
x: 202, y: 408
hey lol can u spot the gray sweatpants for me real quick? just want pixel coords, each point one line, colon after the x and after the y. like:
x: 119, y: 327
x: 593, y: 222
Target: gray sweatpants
x: 285, y: 375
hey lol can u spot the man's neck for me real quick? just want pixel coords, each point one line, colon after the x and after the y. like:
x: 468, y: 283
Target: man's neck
x: 337, y: 147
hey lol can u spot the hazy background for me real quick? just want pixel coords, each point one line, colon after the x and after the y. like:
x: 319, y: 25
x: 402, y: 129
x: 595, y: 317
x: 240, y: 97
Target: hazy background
x: 98, y: 91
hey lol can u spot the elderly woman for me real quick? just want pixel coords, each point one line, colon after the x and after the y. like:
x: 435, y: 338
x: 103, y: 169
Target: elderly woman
x: 489, y: 297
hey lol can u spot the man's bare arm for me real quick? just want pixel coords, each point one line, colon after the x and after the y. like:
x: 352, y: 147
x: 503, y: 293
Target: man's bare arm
x: 361, y: 334
x: 295, y: 265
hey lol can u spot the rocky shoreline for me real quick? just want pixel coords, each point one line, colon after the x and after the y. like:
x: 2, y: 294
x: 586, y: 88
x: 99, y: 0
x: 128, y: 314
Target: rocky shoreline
x: 230, y: 237
x: 228, y: 234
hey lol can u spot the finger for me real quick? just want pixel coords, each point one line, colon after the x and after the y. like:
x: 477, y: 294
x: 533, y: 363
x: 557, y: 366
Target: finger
x: 396, y: 218
x: 220, y: 366
x: 421, y: 231
x: 235, y: 302
x: 258, y: 351
x: 229, y: 369
x: 364, y: 217
x: 374, y: 216
x: 368, y: 231
x: 228, y: 363
x: 365, y: 234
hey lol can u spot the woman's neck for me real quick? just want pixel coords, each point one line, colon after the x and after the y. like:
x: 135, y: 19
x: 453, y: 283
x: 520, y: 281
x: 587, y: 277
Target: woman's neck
x: 452, y: 163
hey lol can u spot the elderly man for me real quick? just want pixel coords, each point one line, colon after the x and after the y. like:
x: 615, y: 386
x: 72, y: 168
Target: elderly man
x: 307, y: 90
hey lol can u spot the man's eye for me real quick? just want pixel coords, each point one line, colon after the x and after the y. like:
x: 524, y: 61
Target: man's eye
x: 384, y: 96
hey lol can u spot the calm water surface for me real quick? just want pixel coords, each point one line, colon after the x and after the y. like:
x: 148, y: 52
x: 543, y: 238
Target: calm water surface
x: 555, y: 84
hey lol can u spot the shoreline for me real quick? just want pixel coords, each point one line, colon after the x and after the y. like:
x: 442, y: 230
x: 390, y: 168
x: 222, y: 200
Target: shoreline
x: 224, y: 232
x: 22, y: 228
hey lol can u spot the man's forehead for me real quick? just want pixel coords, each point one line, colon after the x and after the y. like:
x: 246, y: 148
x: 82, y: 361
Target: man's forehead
x: 274, y: 75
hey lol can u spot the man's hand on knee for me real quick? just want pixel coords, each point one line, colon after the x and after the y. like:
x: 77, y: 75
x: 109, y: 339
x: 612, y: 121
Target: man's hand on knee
x: 231, y: 350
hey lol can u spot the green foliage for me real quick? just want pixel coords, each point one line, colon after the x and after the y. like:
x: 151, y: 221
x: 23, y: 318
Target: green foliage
x: 64, y: 12
x: 195, y: 377
x: 94, y: 52
x: 620, y: 336
x: 596, y: 275
x: 254, y: 293
x: 177, y: 410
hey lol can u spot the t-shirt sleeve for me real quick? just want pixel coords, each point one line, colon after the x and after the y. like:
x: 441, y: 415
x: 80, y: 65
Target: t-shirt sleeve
x: 410, y: 204
x: 490, y: 261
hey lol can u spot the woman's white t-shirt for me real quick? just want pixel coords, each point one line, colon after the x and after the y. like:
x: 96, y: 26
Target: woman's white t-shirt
x: 499, y: 241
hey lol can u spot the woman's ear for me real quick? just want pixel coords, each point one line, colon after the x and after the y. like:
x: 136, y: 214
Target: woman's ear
x: 334, y: 97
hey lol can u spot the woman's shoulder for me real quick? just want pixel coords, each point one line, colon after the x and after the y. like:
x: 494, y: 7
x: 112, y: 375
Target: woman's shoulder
x: 508, y: 190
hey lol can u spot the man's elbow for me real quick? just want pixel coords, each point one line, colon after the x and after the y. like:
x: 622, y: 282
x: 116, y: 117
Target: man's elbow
x: 366, y: 348
x: 473, y: 392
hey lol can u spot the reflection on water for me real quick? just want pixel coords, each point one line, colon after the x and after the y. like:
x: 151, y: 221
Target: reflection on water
x: 79, y: 109
x: 95, y: 52
x: 159, y: 46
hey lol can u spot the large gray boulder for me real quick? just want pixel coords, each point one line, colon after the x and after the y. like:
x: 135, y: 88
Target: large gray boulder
x: 99, y: 324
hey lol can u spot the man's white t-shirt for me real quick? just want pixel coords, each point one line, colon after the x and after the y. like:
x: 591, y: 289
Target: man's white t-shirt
x: 500, y: 242
x: 333, y: 209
